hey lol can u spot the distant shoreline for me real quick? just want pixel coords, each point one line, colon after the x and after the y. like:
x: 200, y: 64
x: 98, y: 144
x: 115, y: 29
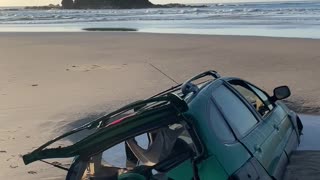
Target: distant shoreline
x: 136, y: 30
x: 172, y: 5
x: 109, y: 29
x: 50, y: 6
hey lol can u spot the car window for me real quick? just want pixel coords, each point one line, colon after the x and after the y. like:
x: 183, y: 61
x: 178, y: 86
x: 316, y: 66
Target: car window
x: 256, y: 101
x: 219, y: 125
x: 147, y: 150
x: 234, y: 110
x: 263, y: 96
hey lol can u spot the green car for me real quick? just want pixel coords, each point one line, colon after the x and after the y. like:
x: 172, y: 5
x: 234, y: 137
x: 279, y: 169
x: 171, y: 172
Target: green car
x: 218, y: 128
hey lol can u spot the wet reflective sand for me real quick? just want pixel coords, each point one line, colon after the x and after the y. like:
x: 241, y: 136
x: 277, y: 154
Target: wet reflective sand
x: 304, y: 163
x: 311, y: 133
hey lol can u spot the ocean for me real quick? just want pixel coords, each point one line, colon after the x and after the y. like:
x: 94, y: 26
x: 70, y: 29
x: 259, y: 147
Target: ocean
x: 276, y: 19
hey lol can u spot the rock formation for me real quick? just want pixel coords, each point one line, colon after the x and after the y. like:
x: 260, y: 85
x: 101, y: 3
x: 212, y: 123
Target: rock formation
x: 115, y: 4
x: 67, y: 4
x: 106, y: 4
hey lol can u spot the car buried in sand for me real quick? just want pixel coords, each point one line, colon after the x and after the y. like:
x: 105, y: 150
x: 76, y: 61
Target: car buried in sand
x: 217, y: 128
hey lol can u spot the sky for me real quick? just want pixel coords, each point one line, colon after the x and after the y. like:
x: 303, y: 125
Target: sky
x: 46, y: 2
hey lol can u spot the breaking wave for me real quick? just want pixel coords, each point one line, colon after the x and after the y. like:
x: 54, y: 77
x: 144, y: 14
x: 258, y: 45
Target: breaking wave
x: 281, y: 11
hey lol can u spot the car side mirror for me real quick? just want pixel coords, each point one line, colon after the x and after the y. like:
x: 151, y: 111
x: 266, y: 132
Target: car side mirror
x: 281, y: 92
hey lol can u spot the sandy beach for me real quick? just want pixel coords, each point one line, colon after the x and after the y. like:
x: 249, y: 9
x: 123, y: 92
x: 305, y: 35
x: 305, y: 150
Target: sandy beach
x: 50, y: 82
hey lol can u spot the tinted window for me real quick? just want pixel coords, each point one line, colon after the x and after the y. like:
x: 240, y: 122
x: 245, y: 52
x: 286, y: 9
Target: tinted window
x: 236, y: 112
x: 256, y: 101
x: 219, y: 125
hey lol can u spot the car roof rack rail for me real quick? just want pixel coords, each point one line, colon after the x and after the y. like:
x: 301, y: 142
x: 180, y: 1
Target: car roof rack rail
x: 188, y: 87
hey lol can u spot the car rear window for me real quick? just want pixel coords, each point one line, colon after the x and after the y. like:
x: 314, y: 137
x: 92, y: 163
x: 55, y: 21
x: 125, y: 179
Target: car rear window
x: 234, y: 110
x: 219, y: 125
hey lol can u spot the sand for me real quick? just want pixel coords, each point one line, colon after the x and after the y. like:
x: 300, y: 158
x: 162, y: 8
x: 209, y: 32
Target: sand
x: 50, y: 80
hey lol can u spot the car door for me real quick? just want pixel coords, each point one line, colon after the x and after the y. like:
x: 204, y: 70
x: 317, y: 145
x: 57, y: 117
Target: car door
x: 268, y: 140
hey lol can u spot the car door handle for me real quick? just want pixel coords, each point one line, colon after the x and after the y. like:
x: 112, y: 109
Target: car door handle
x: 257, y: 148
x: 276, y: 127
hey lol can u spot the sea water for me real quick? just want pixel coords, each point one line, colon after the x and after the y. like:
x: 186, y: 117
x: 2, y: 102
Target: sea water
x: 280, y: 19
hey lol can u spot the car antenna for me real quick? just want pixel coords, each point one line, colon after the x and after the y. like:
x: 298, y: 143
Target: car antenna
x: 163, y: 73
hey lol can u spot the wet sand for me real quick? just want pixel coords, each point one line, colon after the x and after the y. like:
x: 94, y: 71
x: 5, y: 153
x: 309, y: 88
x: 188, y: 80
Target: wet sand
x: 304, y: 163
x: 48, y: 80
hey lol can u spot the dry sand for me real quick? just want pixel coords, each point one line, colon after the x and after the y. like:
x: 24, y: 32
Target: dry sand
x: 48, y: 80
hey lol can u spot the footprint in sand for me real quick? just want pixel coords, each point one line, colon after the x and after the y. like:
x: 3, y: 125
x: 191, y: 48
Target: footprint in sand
x: 86, y: 67
x: 32, y: 172
x: 13, y: 166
